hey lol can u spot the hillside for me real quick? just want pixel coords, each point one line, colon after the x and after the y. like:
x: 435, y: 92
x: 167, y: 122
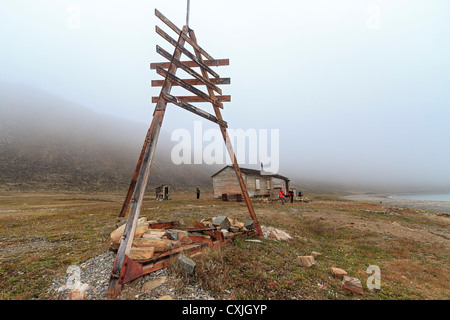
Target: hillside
x: 48, y: 143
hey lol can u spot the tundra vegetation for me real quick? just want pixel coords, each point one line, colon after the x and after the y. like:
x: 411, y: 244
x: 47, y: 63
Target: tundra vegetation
x: 42, y: 234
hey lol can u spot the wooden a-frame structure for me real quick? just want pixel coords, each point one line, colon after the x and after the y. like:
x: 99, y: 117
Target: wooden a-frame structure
x: 133, y: 200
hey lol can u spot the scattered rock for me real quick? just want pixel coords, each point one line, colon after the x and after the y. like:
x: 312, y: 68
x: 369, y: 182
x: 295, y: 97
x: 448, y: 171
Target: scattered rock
x: 222, y: 222
x: 187, y: 265
x: 166, y: 297
x: 184, y: 239
x: 152, y: 284
x: 224, y: 232
x: 352, y: 284
x: 234, y: 229
x: 238, y: 224
x: 159, y: 245
x: 338, y: 272
x: 207, y: 222
x: 142, y: 253
x: 173, y: 244
x: 315, y: 254
x: 154, y: 234
x: 249, y: 224
x: 272, y: 233
x: 278, y: 235
x: 172, y: 234
x: 305, y: 261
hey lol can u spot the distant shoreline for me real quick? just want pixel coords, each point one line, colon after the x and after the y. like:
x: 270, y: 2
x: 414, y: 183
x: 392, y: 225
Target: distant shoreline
x: 443, y: 206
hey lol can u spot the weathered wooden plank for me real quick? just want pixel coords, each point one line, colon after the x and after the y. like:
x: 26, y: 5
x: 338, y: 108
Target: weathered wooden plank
x: 170, y: 98
x: 194, y: 82
x: 192, y: 64
x: 174, y: 79
x: 225, y: 98
x: 185, y: 51
x: 183, y: 35
x: 196, y: 75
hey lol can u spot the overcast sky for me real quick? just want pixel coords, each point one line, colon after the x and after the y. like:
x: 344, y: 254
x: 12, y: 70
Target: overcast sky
x: 359, y: 90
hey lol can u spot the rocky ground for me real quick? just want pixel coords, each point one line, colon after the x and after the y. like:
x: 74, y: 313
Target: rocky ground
x: 92, y: 277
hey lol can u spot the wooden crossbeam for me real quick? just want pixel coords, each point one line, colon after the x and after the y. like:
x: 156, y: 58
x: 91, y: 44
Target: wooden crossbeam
x: 194, y: 82
x: 170, y: 98
x: 178, y: 63
x: 183, y: 35
x: 226, y: 139
x: 185, y: 51
x: 174, y: 79
x: 224, y: 98
x: 192, y: 64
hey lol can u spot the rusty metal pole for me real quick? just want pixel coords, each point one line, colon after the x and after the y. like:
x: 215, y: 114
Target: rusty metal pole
x: 120, y: 266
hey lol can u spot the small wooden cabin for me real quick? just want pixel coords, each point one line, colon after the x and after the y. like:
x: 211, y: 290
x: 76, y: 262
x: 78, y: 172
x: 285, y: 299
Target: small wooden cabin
x: 259, y: 183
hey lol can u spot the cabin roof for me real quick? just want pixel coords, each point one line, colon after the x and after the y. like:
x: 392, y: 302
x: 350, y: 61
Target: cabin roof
x: 253, y: 172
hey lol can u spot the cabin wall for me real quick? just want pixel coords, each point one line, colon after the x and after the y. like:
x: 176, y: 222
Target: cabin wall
x: 252, y: 186
x: 226, y: 182
x: 276, y: 184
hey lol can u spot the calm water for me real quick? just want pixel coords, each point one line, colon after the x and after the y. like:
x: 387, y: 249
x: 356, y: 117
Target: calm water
x: 429, y: 197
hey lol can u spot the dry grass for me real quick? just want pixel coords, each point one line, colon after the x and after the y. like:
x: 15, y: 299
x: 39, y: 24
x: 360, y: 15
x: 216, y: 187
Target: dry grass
x: 42, y: 234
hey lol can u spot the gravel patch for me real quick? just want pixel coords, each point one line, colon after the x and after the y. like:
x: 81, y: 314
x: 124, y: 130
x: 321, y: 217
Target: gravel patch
x: 94, y: 276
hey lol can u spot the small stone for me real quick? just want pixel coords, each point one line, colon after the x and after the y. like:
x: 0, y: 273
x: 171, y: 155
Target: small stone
x: 249, y: 224
x: 187, y: 265
x: 338, y: 272
x: 172, y: 235
x: 305, y: 261
x: 352, y: 284
x: 152, y: 284
x: 167, y: 297
x: 277, y: 235
x: 315, y: 254
x: 222, y: 222
x: 184, y: 239
x: 224, y: 232
x: 234, y: 229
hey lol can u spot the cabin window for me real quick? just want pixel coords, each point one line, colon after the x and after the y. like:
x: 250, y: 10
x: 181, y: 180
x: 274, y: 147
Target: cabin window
x: 257, y: 185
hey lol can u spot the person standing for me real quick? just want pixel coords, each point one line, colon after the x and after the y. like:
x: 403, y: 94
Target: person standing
x: 281, y: 195
x: 198, y: 193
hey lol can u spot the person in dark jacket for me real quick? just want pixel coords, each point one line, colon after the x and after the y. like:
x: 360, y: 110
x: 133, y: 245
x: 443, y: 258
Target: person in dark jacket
x: 198, y: 193
x: 291, y: 195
